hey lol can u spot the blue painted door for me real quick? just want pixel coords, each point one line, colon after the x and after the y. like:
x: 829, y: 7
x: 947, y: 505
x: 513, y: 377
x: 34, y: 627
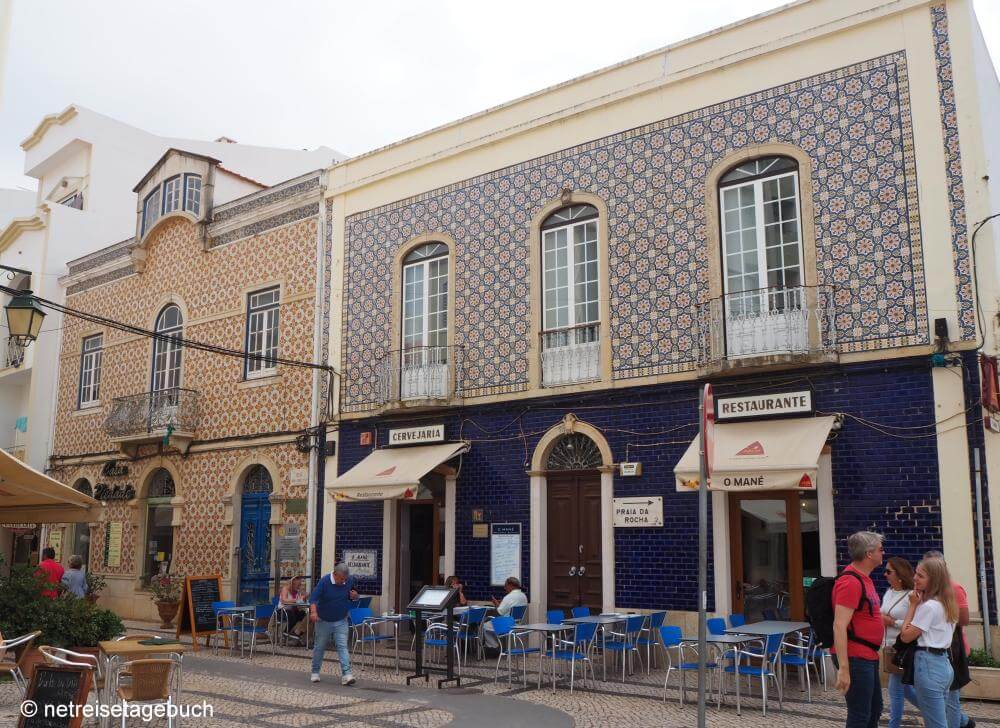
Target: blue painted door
x: 255, y: 549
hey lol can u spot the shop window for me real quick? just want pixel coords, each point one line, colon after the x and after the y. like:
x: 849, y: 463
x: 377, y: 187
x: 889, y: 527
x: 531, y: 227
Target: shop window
x: 90, y: 371
x: 159, y: 531
x: 192, y: 193
x: 262, y: 333
x: 424, y: 356
x: 81, y: 531
x: 570, y: 296
x: 574, y: 452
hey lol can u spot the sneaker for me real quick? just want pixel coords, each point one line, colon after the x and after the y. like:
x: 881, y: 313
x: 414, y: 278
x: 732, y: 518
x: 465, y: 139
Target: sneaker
x: 348, y: 679
x: 314, y: 677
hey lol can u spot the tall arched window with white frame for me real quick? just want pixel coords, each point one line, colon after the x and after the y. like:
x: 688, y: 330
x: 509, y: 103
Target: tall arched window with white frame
x: 571, y: 317
x: 166, y: 379
x: 424, y: 355
x: 765, y: 300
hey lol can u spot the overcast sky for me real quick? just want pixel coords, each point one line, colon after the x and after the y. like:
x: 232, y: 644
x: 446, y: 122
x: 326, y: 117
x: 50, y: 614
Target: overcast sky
x: 350, y: 75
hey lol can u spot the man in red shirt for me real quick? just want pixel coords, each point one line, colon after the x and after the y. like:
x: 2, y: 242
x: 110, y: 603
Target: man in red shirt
x: 52, y: 570
x: 858, y: 631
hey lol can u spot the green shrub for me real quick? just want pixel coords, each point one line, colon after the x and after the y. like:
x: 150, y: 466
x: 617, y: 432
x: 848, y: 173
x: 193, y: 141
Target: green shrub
x: 980, y: 658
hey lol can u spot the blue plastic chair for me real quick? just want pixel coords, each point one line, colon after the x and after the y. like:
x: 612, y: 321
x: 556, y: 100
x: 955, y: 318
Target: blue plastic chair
x: 737, y: 620
x: 671, y: 638
x: 257, y: 627
x: 626, y: 643
x: 716, y: 625
x: 580, y: 611
x: 799, y: 654
x: 223, y: 622
x: 766, y: 670
x: 572, y: 651
x: 518, y: 612
x: 650, y: 642
x: 363, y: 624
x: 511, y: 645
x: 555, y: 616
x: 470, y: 628
x: 362, y: 603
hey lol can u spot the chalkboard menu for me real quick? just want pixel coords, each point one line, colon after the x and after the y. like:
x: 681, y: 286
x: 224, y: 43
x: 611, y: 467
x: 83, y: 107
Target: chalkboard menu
x: 197, y: 616
x: 55, y: 689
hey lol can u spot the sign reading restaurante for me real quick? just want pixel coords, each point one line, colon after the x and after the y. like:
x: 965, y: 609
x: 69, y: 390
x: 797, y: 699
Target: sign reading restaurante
x: 758, y: 406
x: 415, y: 435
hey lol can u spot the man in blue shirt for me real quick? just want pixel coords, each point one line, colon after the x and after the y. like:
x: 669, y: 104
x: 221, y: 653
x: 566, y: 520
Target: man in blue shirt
x: 328, y: 606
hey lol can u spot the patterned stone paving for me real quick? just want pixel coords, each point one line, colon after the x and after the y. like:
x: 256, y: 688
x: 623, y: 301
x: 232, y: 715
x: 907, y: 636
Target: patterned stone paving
x: 273, y: 690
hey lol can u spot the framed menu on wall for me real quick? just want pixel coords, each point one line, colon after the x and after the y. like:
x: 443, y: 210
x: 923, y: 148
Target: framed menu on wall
x: 113, y: 544
x: 505, y: 552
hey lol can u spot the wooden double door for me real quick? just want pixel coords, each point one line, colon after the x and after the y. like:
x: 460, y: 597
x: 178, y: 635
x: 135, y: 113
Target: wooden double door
x: 574, y: 540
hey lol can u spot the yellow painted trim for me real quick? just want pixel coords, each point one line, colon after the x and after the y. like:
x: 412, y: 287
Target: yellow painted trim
x: 48, y: 121
x: 568, y: 197
x: 19, y: 225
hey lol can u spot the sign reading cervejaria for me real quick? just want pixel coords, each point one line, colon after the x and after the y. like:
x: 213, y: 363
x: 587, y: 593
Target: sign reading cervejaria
x: 414, y: 435
x: 758, y: 406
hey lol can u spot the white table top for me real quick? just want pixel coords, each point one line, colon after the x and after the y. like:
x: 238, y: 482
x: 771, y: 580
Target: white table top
x: 769, y: 627
x: 543, y: 627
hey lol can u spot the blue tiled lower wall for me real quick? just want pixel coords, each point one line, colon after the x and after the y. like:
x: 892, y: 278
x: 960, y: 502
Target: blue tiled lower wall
x: 881, y: 481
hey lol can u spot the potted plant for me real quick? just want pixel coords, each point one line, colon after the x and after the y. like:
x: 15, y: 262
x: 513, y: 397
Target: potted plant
x: 95, y: 585
x: 985, y: 674
x: 166, y: 590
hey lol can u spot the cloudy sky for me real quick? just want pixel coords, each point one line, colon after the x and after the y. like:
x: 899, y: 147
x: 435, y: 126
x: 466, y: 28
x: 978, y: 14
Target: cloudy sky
x: 350, y: 75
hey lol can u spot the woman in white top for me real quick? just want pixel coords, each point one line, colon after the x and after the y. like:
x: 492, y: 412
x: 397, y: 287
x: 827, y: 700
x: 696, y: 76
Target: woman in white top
x: 895, y: 606
x: 930, y: 621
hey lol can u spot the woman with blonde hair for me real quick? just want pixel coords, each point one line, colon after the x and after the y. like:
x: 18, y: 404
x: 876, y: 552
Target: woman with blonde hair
x: 930, y: 621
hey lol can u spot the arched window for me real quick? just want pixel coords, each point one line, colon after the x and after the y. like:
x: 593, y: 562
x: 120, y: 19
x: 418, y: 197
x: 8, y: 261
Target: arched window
x: 424, y: 357
x: 167, y: 351
x: 570, y: 296
x: 575, y: 451
x: 83, y: 486
x: 159, y: 519
x: 258, y: 480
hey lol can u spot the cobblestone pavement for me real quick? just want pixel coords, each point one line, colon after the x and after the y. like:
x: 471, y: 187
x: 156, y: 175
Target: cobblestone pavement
x: 274, y: 690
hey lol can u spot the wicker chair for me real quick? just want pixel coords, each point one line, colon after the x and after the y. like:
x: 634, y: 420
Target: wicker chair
x: 151, y: 681
x: 20, y: 647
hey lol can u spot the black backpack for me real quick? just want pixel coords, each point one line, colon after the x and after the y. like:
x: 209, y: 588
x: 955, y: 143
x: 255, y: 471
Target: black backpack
x: 819, y: 610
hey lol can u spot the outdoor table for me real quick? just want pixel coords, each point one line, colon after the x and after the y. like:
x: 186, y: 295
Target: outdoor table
x: 242, y: 613
x: 127, y: 650
x: 396, y: 620
x: 765, y: 629
x: 299, y: 605
x: 720, y: 642
x: 547, y: 630
x: 602, y: 621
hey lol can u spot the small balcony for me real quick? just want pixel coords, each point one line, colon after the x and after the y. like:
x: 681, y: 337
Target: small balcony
x: 170, y: 414
x: 420, y: 376
x: 767, y: 326
x: 571, y: 355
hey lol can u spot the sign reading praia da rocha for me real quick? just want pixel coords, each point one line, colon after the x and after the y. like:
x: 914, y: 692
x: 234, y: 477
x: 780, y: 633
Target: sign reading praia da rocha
x: 414, y: 435
x: 361, y: 563
x: 641, y: 511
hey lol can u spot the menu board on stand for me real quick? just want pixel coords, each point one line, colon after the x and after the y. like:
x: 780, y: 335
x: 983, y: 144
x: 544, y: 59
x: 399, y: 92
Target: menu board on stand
x: 197, y: 616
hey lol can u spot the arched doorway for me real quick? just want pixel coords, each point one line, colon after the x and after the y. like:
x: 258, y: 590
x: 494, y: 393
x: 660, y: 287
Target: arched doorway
x: 81, y: 531
x: 255, y: 536
x: 159, y: 540
x: 573, y: 514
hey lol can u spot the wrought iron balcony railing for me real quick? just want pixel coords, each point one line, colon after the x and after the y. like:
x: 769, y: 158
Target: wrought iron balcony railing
x: 13, y: 354
x: 571, y: 354
x: 420, y: 373
x: 766, y: 322
x: 141, y: 415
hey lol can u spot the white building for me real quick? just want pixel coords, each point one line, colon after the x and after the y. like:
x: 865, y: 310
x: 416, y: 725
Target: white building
x: 87, y: 165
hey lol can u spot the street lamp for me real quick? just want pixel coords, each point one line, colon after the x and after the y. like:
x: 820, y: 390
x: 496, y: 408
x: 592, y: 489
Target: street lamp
x: 24, y: 318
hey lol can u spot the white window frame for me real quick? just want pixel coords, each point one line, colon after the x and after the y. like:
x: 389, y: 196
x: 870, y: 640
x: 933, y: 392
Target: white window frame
x: 150, y: 210
x: 262, y: 330
x: 192, y: 193
x: 172, y: 190
x: 168, y: 376
x: 91, y: 358
x: 425, y: 332
x: 571, y: 274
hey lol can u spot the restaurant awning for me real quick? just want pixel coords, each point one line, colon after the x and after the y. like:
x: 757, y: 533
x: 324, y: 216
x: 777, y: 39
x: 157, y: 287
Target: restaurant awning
x: 761, y: 455
x: 27, y: 496
x: 392, y: 472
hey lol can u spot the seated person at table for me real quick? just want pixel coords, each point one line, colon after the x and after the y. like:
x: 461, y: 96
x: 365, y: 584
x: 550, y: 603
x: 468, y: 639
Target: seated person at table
x: 514, y: 598
x: 292, y: 594
x: 455, y: 583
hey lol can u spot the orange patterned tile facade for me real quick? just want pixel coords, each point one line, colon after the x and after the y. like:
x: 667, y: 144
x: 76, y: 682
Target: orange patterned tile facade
x: 211, y: 289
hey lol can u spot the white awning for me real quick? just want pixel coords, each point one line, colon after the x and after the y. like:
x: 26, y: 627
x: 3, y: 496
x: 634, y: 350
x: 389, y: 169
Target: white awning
x: 391, y: 472
x: 762, y: 455
x: 27, y: 496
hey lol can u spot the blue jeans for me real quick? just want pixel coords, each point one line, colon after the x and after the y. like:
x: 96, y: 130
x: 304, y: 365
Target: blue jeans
x: 864, y: 697
x: 932, y: 676
x: 955, y: 715
x: 898, y: 695
x: 339, y: 632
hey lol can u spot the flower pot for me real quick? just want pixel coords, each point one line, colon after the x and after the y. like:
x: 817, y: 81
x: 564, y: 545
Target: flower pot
x: 167, y: 610
x: 985, y: 684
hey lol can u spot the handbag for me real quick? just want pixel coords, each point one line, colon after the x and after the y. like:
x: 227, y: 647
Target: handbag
x: 889, y: 662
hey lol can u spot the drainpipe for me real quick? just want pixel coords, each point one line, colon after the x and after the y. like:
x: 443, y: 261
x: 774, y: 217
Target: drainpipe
x: 317, y: 455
